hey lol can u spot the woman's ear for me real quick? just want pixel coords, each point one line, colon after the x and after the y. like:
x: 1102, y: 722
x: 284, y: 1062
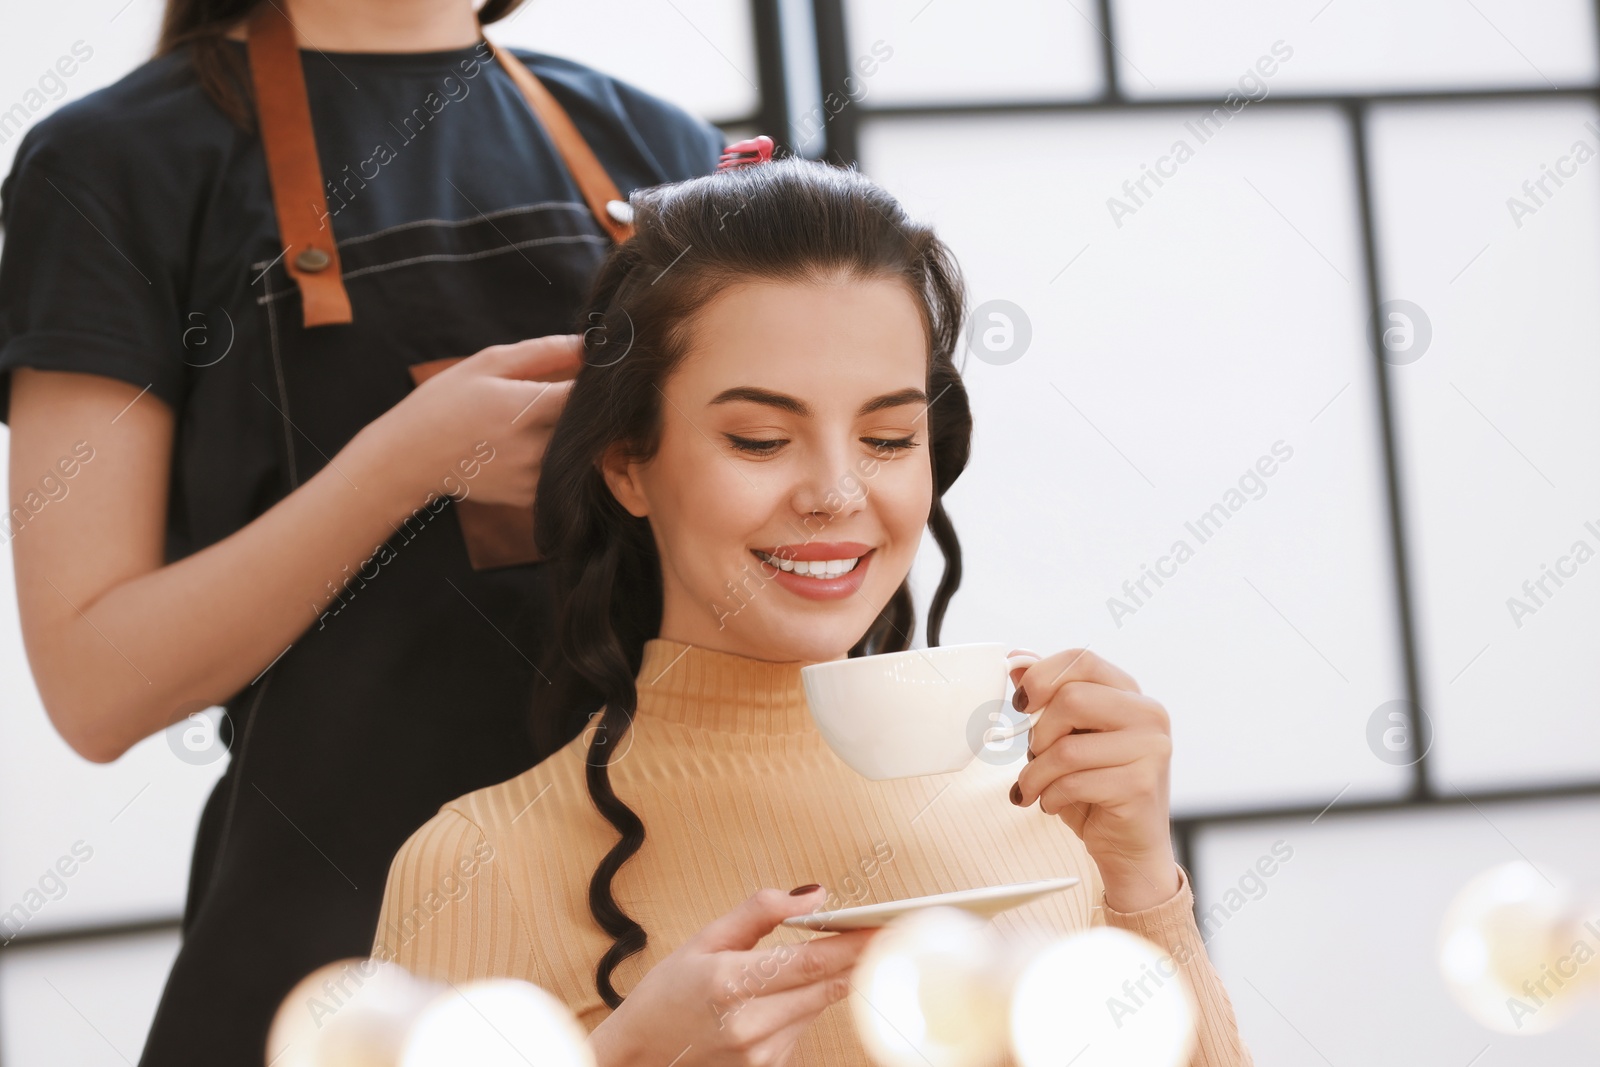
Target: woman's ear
x: 622, y: 478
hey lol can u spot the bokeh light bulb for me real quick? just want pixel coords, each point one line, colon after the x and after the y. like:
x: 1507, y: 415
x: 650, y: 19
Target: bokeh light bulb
x: 1100, y: 998
x: 1516, y: 951
x: 497, y: 1022
x: 350, y: 1013
x: 929, y: 992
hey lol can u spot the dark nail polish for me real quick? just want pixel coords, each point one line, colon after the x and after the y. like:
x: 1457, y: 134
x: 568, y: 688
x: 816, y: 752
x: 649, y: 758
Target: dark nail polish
x: 802, y: 890
x: 1019, y: 699
x: 1016, y: 794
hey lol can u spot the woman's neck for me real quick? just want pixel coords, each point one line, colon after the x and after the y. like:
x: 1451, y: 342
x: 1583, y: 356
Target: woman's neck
x: 380, y: 25
x: 706, y: 689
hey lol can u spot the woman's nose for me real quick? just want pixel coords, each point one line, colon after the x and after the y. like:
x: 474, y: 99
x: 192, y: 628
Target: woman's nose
x: 829, y: 483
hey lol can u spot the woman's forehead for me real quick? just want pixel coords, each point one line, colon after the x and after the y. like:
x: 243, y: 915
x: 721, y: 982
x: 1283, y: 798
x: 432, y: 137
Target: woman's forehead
x: 818, y: 339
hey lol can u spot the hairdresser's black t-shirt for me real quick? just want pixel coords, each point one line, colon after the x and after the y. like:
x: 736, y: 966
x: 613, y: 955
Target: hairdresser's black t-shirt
x: 141, y: 244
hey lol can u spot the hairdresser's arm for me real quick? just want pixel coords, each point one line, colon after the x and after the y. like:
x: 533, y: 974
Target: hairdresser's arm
x: 122, y: 646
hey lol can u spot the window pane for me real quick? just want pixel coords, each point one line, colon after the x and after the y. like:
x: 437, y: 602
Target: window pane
x: 1497, y: 427
x: 1171, y: 48
x: 87, y: 1003
x: 1336, y: 950
x: 920, y: 52
x: 700, y: 54
x: 1217, y: 318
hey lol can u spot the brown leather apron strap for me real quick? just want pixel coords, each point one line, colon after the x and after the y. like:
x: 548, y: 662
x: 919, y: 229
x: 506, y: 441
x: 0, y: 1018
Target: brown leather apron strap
x: 283, y: 112
x: 599, y: 191
x: 284, y: 115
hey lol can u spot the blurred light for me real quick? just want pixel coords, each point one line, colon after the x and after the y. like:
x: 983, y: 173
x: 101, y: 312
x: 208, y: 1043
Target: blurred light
x: 353, y: 1013
x: 1516, y: 951
x: 930, y: 991
x: 1104, y: 996
x: 499, y: 1022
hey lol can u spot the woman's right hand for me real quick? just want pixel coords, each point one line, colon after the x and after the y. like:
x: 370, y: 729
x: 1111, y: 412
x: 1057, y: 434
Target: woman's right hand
x: 506, y: 395
x: 718, y: 1001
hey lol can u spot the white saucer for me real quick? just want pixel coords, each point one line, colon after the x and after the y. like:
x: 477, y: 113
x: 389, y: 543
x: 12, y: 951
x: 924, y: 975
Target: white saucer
x: 985, y: 902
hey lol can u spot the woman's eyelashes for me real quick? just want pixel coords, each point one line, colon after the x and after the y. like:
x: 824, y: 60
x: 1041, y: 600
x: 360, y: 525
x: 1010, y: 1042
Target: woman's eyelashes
x: 755, y: 446
x: 882, y: 446
x: 890, y: 445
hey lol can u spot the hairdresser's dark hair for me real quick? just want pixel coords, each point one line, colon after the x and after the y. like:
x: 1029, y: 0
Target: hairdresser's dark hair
x: 201, y: 25
x: 785, y: 220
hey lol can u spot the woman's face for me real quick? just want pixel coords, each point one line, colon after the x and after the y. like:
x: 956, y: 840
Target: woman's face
x: 792, y: 482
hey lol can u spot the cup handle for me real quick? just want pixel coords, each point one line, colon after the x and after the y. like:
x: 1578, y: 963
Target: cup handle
x: 1004, y: 733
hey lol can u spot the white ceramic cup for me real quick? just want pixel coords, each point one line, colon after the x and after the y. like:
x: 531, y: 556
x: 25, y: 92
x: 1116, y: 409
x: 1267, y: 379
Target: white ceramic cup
x: 922, y: 711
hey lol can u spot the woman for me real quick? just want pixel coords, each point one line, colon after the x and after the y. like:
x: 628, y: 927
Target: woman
x: 786, y: 393
x: 281, y: 525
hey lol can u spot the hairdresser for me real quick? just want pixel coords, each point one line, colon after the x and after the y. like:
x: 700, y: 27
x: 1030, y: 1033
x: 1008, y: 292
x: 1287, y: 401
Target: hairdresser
x: 303, y: 287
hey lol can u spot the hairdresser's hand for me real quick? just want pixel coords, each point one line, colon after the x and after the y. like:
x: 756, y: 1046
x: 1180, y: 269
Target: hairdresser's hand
x: 720, y: 1002
x: 479, y: 427
x: 1099, y: 757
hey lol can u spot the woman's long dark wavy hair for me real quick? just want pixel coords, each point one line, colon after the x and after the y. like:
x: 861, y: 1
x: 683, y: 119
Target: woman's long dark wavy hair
x: 200, y: 26
x: 786, y: 220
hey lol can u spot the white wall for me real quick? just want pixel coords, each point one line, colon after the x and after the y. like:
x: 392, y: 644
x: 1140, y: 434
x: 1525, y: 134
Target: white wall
x: 1173, y: 343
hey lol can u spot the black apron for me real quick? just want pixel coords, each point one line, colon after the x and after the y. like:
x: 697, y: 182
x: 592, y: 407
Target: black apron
x: 322, y: 788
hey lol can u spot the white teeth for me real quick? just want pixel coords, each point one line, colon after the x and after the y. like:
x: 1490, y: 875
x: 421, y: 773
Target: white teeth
x: 816, y: 568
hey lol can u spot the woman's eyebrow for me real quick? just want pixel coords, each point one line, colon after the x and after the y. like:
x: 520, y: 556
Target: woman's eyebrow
x: 796, y: 406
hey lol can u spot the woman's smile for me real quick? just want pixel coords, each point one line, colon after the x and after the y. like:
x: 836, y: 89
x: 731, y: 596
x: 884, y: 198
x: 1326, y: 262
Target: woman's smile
x: 820, y: 570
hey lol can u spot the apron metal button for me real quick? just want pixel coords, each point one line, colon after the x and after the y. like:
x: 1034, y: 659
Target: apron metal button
x: 621, y: 211
x: 312, y: 260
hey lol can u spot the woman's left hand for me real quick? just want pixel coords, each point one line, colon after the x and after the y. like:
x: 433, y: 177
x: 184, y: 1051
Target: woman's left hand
x: 1099, y: 758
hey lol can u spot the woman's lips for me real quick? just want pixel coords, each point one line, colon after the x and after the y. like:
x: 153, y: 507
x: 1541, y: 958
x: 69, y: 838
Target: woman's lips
x: 811, y: 550
x: 829, y: 587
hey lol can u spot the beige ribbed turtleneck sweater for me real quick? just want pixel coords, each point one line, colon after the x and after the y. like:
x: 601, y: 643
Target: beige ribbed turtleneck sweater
x: 737, y: 790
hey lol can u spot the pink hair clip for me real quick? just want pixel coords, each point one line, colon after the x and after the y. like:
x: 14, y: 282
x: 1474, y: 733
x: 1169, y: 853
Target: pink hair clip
x: 744, y: 153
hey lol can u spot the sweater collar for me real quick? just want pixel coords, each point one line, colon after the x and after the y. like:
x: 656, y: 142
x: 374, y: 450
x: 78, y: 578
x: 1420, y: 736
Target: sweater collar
x: 705, y: 689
